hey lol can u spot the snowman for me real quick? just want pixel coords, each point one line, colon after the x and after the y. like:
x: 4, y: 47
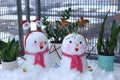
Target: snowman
x: 73, y: 53
x: 37, y: 51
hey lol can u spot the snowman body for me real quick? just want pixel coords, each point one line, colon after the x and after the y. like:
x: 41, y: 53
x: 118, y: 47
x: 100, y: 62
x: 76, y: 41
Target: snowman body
x: 74, y: 45
x: 36, y: 42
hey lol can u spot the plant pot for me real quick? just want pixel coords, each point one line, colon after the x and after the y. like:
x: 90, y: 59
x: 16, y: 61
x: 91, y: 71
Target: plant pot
x: 9, y: 65
x: 106, y: 62
x: 55, y: 51
x: 56, y: 42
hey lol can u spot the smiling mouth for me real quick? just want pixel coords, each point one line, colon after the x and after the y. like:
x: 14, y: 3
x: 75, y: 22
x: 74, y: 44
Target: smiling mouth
x: 41, y: 47
x: 76, y: 49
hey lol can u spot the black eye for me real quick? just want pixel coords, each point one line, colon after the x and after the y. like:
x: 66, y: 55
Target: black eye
x: 45, y: 42
x: 70, y: 41
x: 80, y: 42
x: 35, y: 41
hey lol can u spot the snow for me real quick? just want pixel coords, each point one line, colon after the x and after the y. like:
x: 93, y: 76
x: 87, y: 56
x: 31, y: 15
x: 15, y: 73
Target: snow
x: 59, y: 73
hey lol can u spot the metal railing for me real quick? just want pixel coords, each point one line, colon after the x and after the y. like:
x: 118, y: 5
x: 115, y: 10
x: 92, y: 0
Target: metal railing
x: 8, y: 19
x: 94, y: 10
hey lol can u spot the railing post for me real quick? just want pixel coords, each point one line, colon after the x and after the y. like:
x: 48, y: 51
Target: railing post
x: 38, y: 9
x: 118, y: 5
x: 20, y: 32
x: 27, y: 10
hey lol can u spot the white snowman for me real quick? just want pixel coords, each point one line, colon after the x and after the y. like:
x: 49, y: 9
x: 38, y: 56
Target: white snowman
x: 73, y: 53
x: 37, y: 51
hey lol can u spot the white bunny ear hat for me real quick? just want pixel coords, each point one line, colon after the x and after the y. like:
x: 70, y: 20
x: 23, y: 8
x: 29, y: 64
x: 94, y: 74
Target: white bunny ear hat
x: 25, y: 24
x: 38, y: 22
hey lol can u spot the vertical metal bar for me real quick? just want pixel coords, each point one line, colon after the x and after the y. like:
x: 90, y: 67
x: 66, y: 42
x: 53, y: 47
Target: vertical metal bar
x: 27, y: 10
x: 118, y: 5
x: 38, y: 9
x: 19, y: 14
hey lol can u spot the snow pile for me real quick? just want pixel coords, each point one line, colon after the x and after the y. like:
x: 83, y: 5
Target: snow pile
x: 58, y: 73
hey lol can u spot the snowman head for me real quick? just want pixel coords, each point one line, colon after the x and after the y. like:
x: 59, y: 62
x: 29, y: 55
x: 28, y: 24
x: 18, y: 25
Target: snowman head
x: 74, y: 44
x: 25, y: 24
x: 36, y: 41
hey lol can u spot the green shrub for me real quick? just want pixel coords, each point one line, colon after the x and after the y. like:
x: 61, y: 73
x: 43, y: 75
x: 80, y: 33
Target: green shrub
x: 9, y: 50
x: 108, y: 46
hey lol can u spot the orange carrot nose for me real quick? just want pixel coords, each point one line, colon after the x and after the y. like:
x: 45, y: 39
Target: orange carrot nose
x: 41, y: 43
x: 77, y: 44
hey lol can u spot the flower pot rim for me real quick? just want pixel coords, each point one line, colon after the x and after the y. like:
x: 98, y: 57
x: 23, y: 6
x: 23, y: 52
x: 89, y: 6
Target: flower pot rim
x: 104, y: 54
x: 8, y: 61
x: 57, y: 42
x: 10, y: 65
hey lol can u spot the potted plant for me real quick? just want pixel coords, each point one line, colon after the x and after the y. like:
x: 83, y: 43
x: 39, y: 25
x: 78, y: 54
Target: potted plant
x: 106, y: 47
x: 60, y: 28
x: 56, y: 31
x: 9, y: 53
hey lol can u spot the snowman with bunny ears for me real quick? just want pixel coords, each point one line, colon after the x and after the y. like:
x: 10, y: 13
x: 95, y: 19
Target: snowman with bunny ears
x: 37, y: 50
x: 73, y: 53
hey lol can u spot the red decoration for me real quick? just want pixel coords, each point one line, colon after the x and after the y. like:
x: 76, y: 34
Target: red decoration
x: 76, y: 61
x: 23, y: 22
x: 64, y: 23
x: 82, y: 21
x: 39, y: 57
x: 35, y: 20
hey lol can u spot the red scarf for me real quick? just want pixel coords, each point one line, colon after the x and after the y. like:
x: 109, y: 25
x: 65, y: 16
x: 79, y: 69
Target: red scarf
x: 39, y: 57
x: 76, y: 61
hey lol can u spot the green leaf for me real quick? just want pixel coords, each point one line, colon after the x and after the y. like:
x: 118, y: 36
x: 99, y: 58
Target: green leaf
x: 99, y: 42
x: 2, y: 45
x: 10, y: 52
